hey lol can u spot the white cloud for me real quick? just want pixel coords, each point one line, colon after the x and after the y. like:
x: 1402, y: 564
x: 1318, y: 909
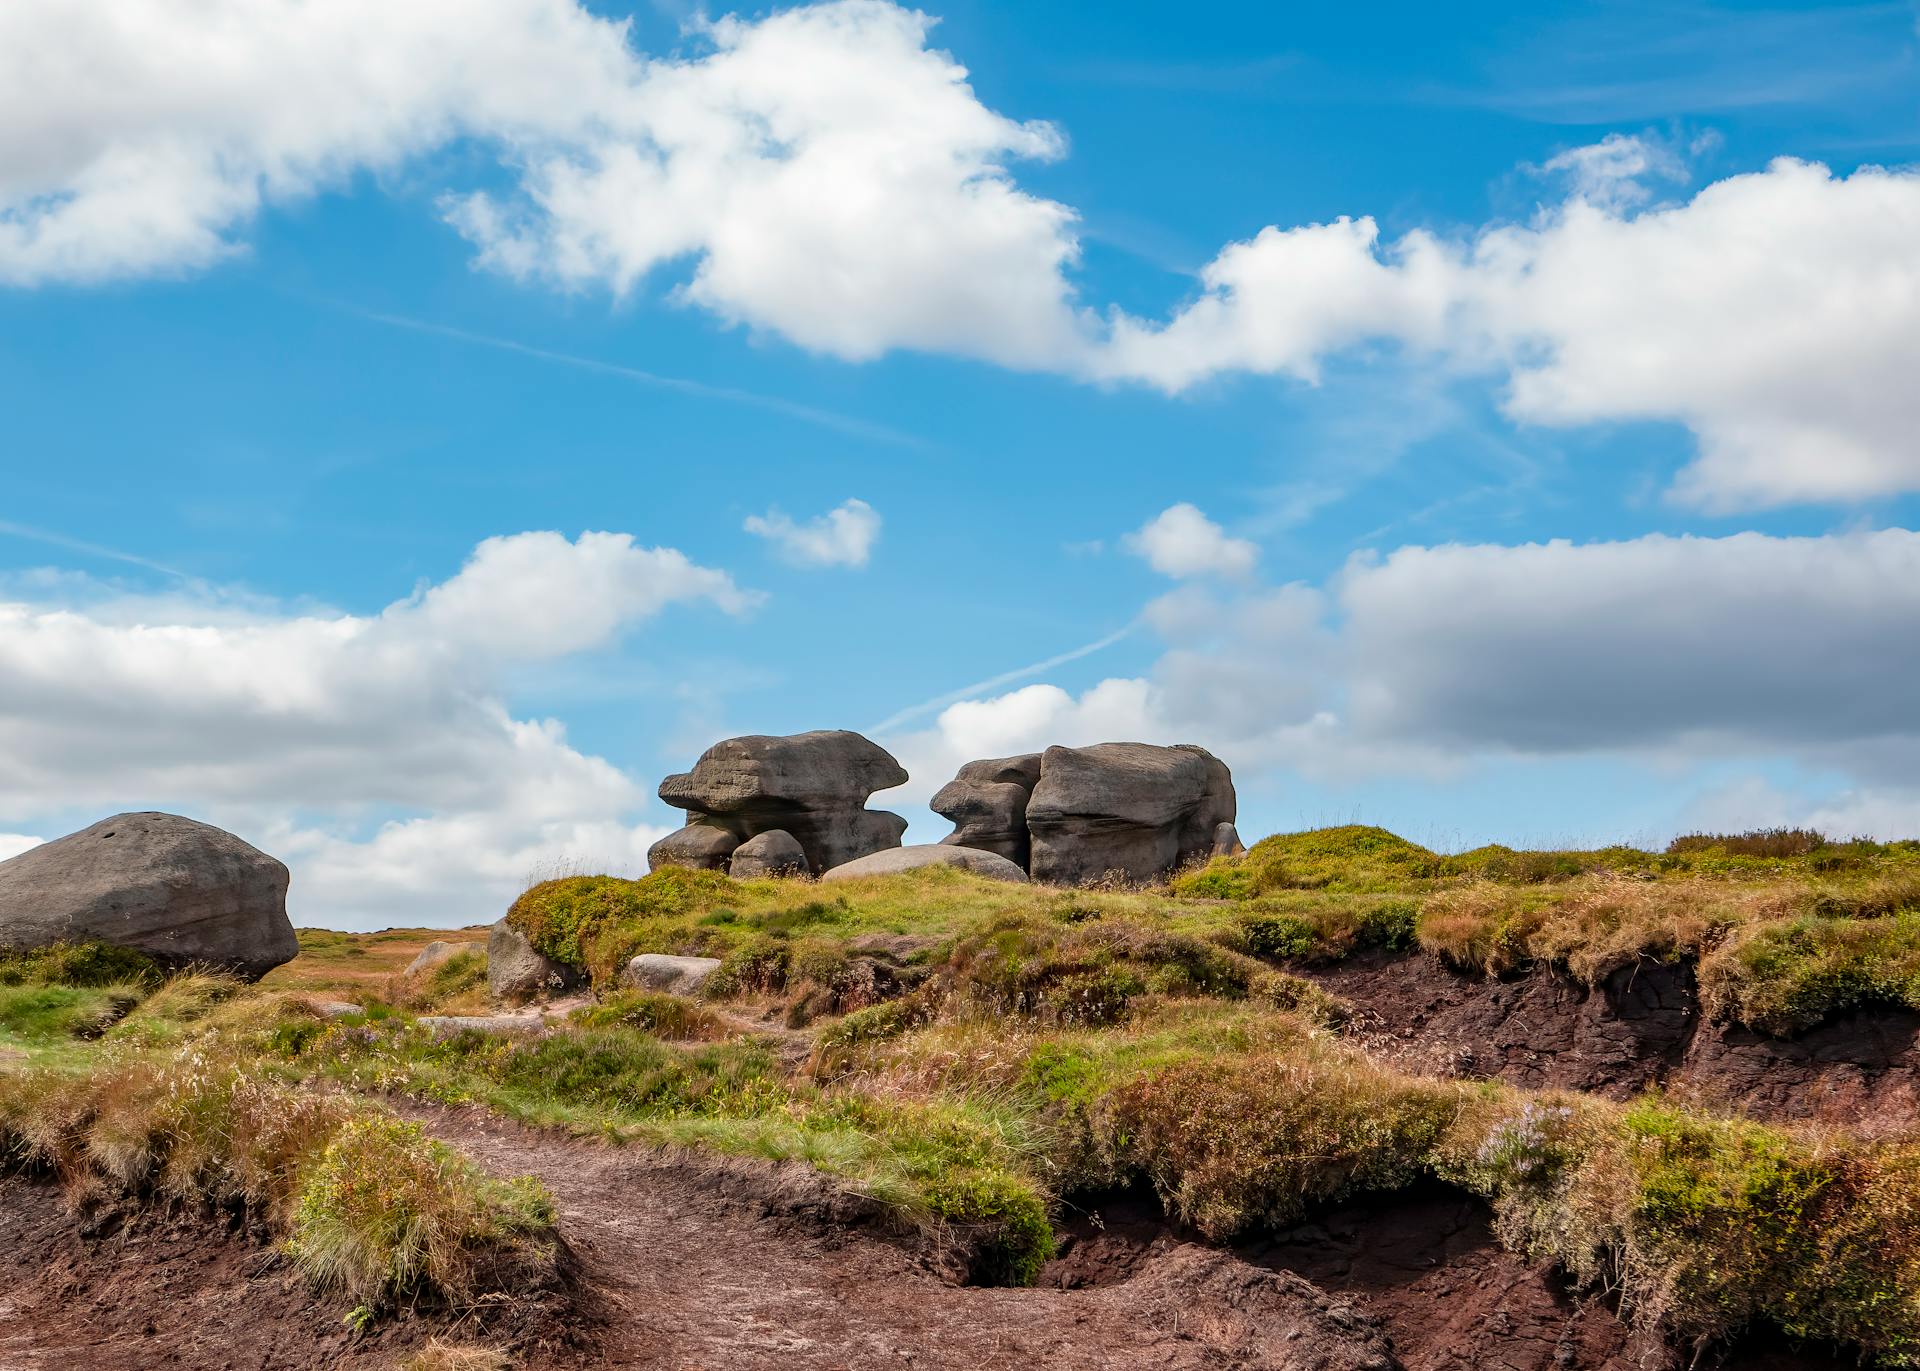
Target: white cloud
x: 837, y: 181
x: 1181, y: 542
x: 1776, y: 315
x: 13, y: 844
x: 1431, y: 660
x: 1614, y: 171
x: 140, y: 135
x: 828, y: 175
x: 309, y: 725
x: 843, y: 536
x: 825, y: 175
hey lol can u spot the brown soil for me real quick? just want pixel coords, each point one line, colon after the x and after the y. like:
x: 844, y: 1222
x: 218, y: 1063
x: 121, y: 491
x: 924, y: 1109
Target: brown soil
x: 1425, y: 1264
x: 675, y: 1262
x: 1640, y: 1027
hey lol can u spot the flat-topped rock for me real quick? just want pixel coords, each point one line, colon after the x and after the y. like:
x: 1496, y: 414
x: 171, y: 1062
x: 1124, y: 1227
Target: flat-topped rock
x: 1127, y: 811
x: 180, y: 891
x: 895, y: 860
x: 812, y: 786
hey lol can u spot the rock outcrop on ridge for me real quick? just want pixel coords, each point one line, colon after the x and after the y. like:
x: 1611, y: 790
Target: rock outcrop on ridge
x: 1128, y: 810
x: 987, y: 804
x: 1074, y: 815
x: 811, y: 786
x: 180, y: 891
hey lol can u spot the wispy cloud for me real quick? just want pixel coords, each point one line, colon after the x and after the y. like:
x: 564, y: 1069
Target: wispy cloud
x: 51, y: 538
x: 968, y: 692
x: 792, y: 409
x: 1654, y: 61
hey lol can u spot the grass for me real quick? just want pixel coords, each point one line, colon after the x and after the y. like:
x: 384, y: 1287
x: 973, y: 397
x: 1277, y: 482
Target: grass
x: 951, y: 1168
x: 354, y: 965
x: 366, y: 1204
x: 979, y: 1051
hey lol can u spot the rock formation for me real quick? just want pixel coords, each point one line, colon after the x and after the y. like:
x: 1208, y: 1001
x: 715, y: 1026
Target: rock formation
x: 987, y: 804
x: 675, y: 975
x: 1072, y: 815
x: 773, y: 853
x: 897, y: 859
x: 812, y: 786
x: 182, y: 892
x: 435, y: 953
x: 516, y: 971
x: 1126, y: 809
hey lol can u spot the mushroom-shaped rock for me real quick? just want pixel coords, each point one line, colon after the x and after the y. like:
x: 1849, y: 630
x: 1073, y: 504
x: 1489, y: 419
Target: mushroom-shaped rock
x: 675, y: 975
x: 434, y: 953
x: 1128, y: 810
x: 813, y: 786
x: 897, y: 859
x: 987, y: 804
x: 773, y: 853
x: 705, y: 847
x: 517, y: 971
x: 178, y: 890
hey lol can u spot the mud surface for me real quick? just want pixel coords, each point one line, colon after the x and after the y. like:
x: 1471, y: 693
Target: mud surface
x: 1640, y: 1027
x: 676, y: 1262
x: 1424, y: 1264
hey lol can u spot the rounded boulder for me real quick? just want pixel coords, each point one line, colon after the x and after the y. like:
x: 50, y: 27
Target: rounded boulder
x: 895, y: 860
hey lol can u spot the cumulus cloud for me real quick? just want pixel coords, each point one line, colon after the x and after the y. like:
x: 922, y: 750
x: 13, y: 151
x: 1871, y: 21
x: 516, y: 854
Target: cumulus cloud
x: 309, y: 726
x: 141, y: 135
x: 843, y: 536
x: 827, y: 175
x: 1181, y: 542
x: 13, y: 844
x: 1776, y: 315
x: 837, y: 180
x: 1433, y: 659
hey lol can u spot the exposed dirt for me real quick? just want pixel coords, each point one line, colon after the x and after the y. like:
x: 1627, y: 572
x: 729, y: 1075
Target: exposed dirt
x: 128, y: 1289
x: 676, y: 1262
x: 1425, y: 1264
x: 1641, y: 1026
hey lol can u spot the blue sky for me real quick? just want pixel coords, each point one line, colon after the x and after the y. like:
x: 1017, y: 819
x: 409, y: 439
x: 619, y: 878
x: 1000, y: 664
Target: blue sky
x: 1465, y: 424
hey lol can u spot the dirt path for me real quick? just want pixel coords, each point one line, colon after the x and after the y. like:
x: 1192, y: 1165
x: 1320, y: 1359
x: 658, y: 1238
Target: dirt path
x: 698, y: 1265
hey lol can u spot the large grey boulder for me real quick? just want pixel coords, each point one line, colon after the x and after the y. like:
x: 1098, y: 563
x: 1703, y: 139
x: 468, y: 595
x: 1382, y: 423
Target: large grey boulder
x: 987, y: 804
x: 1131, y: 811
x: 773, y: 853
x: 515, y: 971
x: 898, y: 859
x: 703, y: 846
x: 675, y: 975
x: 813, y: 786
x: 180, y: 891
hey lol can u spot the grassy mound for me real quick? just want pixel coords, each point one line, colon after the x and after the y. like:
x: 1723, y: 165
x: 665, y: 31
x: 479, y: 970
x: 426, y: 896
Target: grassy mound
x: 367, y: 1204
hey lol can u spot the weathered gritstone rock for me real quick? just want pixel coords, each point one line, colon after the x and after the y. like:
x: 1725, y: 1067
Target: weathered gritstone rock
x: 179, y: 891
x: 515, y: 971
x: 987, y: 804
x: 897, y: 859
x: 434, y: 953
x: 1128, y: 810
x: 1226, y: 841
x: 702, y: 846
x: 675, y: 975
x: 813, y: 786
x: 773, y: 853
